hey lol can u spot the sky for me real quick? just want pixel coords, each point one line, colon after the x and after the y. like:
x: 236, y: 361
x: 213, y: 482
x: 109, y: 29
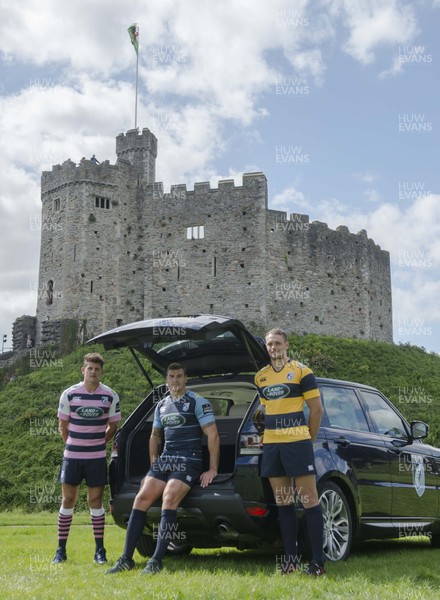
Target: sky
x: 336, y: 101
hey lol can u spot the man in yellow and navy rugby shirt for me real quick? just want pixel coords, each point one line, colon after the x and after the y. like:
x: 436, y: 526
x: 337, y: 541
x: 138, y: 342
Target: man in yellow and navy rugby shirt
x: 288, y: 459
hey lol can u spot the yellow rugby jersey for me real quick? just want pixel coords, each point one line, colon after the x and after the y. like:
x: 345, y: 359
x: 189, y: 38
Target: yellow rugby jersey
x: 283, y: 394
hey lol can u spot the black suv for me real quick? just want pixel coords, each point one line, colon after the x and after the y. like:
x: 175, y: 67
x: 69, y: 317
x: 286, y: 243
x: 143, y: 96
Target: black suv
x: 376, y: 477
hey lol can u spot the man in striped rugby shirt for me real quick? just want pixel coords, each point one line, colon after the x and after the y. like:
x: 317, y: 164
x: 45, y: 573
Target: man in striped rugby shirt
x: 88, y: 414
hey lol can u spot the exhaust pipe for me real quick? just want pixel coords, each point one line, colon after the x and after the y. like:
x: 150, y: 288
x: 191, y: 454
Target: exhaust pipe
x: 224, y: 528
x: 226, y: 531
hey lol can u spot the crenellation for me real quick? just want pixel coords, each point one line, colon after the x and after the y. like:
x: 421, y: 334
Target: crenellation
x: 121, y: 249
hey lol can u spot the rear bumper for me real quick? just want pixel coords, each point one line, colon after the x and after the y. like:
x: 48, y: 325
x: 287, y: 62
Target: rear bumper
x: 209, y: 517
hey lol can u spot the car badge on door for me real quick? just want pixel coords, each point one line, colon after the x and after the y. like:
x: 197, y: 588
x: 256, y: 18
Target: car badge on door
x: 418, y: 473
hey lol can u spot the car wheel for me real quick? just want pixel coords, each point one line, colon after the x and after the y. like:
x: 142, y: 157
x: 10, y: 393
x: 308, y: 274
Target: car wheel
x: 146, y: 545
x: 176, y: 549
x: 338, y: 527
x: 435, y: 540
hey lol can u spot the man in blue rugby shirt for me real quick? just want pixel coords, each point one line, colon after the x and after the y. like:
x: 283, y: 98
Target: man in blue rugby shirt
x: 180, y: 420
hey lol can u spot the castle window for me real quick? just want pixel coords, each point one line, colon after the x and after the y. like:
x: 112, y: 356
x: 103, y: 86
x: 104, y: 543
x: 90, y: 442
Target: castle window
x: 101, y: 202
x: 74, y: 252
x: 49, y: 292
x: 57, y: 204
x: 214, y: 267
x: 196, y: 232
x: 91, y: 287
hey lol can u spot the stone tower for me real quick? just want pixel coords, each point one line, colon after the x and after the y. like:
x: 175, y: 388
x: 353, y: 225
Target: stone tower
x: 89, y: 245
x: 116, y: 248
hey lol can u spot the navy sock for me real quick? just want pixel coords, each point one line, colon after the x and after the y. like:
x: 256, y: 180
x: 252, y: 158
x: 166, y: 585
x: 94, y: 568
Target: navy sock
x: 134, y: 530
x: 315, y: 528
x: 166, y: 534
x: 289, y: 532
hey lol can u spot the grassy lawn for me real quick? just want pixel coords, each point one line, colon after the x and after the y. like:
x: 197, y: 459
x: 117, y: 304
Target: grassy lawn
x: 393, y: 569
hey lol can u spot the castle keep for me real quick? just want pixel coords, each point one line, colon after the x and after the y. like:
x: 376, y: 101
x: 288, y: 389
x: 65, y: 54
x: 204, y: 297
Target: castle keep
x: 116, y: 248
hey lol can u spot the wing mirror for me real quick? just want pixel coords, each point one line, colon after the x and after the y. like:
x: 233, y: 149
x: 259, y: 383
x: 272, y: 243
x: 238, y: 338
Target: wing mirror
x: 419, y: 430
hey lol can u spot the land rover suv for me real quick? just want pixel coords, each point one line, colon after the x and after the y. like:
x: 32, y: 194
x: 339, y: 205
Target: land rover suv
x: 376, y: 477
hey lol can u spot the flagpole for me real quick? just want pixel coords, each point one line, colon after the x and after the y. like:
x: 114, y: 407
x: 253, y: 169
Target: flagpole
x: 133, y: 32
x: 136, y: 94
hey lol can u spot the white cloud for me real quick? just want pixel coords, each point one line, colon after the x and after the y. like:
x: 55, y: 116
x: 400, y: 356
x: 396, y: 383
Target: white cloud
x: 372, y: 195
x: 289, y: 200
x: 374, y: 23
x: 365, y: 176
x: 204, y: 71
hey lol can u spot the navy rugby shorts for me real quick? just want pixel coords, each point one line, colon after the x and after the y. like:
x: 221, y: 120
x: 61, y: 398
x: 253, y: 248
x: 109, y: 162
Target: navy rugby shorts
x: 93, y: 470
x: 186, y: 466
x: 292, y: 459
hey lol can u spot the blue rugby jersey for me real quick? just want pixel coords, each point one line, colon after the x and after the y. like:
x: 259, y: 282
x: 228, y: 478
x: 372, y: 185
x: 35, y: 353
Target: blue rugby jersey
x: 182, y: 421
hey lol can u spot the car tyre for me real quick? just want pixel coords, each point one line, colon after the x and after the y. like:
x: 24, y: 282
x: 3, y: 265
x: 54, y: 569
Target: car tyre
x: 435, y: 540
x: 178, y: 549
x: 338, y: 523
x: 146, y: 546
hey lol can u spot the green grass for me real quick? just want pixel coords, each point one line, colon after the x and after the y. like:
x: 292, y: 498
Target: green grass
x: 31, y: 449
x: 403, y: 569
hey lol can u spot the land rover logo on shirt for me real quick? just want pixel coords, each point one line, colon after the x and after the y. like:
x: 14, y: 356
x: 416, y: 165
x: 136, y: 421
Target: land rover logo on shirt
x: 174, y: 420
x: 89, y: 412
x: 274, y: 392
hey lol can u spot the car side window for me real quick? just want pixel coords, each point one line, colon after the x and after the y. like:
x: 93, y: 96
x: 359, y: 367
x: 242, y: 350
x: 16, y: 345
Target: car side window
x: 343, y: 408
x: 385, y: 419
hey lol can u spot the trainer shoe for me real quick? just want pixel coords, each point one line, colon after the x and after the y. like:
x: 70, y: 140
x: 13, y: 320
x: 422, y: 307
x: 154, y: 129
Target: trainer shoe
x: 122, y: 564
x: 60, y: 556
x: 100, y: 556
x: 152, y: 567
x: 315, y: 569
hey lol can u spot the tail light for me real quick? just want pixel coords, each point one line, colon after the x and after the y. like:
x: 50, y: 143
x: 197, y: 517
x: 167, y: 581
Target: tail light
x: 250, y: 443
x: 257, y: 511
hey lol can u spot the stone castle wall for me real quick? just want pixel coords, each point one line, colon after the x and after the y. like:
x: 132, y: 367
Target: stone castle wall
x: 115, y: 249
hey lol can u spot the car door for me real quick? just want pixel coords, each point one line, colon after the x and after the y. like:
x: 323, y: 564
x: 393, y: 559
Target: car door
x: 358, y: 452
x: 413, y: 469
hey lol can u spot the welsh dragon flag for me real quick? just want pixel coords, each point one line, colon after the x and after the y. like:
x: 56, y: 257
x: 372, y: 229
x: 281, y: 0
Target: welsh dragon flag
x: 133, y: 32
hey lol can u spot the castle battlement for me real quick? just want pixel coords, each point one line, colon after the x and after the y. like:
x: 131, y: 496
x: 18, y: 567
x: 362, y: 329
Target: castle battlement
x: 119, y: 249
x: 69, y: 173
x: 252, y: 184
x: 134, y: 140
